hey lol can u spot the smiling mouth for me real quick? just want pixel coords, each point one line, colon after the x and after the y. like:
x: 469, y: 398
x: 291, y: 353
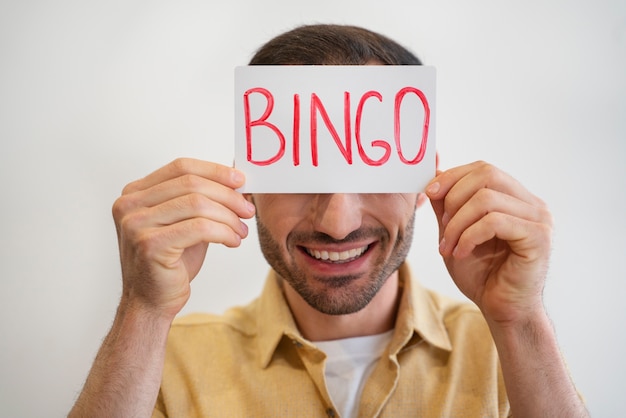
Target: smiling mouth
x: 337, y: 256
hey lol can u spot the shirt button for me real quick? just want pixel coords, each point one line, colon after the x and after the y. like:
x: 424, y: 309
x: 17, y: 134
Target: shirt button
x: 297, y: 343
x: 330, y: 412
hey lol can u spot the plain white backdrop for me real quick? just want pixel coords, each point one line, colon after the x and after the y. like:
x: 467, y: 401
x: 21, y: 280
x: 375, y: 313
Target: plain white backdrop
x: 96, y: 94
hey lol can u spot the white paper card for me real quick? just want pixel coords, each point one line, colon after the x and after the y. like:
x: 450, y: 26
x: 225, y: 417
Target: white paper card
x: 331, y: 129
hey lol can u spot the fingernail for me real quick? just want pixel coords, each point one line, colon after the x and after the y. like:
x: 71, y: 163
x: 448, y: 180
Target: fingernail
x: 445, y: 219
x: 442, y: 245
x: 433, y: 188
x: 250, y: 206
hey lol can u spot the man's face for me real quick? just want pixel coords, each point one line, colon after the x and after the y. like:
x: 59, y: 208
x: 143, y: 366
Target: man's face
x: 335, y: 250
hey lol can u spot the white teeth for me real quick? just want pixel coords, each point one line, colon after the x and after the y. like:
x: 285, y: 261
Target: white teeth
x: 337, y: 256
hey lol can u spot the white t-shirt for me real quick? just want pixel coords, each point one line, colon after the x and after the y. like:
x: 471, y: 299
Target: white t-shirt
x: 349, y: 363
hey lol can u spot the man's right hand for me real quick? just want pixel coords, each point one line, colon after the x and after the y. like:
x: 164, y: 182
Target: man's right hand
x: 165, y: 222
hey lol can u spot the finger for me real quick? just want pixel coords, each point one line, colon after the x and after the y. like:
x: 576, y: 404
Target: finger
x: 482, y: 203
x: 184, y: 185
x: 432, y: 189
x: 219, y: 173
x: 165, y: 245
x: 458, y: 184
x: 525, y: 238
x: 439, y: 209
x: 185, y: 208
x: 438, y: 188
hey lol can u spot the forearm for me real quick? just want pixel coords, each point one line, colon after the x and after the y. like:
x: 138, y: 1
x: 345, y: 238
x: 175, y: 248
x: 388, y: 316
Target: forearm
x: 536, y: 377
x: 126, y: 374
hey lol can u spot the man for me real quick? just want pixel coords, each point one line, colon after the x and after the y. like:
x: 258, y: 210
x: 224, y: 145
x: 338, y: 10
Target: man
x: 341, y: 328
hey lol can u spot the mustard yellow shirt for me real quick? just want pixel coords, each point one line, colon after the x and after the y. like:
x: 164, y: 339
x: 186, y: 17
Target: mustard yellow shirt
x: 253, y: 362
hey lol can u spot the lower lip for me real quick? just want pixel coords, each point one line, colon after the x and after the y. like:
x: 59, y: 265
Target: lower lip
x: 323, y: 267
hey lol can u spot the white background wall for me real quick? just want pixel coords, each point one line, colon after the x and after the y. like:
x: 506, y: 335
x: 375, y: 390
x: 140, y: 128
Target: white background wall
x: 96, y: 94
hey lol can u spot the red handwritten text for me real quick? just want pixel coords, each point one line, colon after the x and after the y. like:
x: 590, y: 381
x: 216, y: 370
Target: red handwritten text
x: 344, y: 145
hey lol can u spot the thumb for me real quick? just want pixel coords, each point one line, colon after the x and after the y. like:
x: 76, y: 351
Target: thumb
x: 437, y: 201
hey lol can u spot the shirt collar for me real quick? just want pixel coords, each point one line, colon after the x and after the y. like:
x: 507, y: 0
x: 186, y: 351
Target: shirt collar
x: 418, y: 318
x: 274, y: 319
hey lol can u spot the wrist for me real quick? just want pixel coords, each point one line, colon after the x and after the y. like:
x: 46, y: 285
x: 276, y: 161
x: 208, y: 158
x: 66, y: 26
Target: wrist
x: 135, y: 314
x: 529, y: 327
x: 142, y: 306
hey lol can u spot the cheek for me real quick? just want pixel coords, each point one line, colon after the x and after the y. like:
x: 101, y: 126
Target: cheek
x: 279, y: 214
x: 396, y: 211
x: 279, y: 205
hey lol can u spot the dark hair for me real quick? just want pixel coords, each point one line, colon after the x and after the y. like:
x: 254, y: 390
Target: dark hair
x: 332, y: 45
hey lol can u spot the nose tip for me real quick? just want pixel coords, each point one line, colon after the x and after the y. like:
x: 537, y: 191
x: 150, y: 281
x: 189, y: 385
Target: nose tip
x: 337, y: 214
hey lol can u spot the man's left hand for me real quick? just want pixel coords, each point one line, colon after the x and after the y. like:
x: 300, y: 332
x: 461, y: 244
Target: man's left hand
x: 495, y: 239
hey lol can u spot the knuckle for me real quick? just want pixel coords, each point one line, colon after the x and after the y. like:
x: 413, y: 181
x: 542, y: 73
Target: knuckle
x: 121, y: 206
x: 190, y: 182
x: 215, y: 171
x: 205, y: 226
x: 546, y: 232
x: 543, y: 211
x: 490, y: 171
x: 129, y: 224
x: 494, y: 219
x: 130, y: 188
x: 484, y: 197
x: 181, y: 166
x: 547, y: 217
x: 197, y: 202
x: 451, y: 202
x: 216, y: 231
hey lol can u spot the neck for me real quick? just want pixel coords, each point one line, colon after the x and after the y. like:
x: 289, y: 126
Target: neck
x: 377, y: 317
